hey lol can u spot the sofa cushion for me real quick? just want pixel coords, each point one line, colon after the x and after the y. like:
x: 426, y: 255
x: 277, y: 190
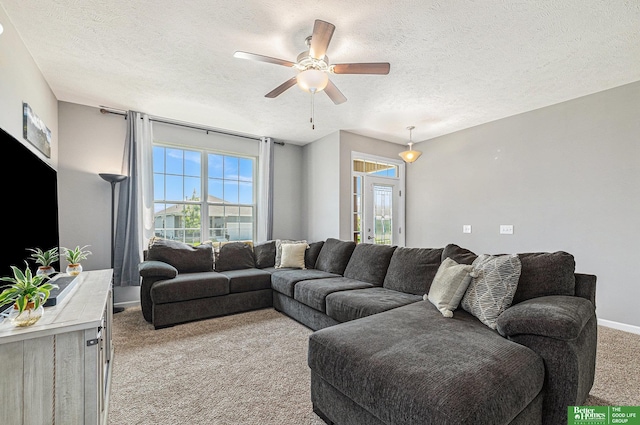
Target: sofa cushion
x: 189, y: 286
x: 449, y: 286
x: 313, y: 293
x: 246, y: 280
x: 235, y: 256
x: 311, y: 256
x: 265, y: 254
x: 184, y: 257
x: 458, y: 254
x: 293, y: 255
x: 369, y: 263
x: 399, y: 365
x: 334, y: 255
x: 284, y: 281
x: 545, y: 273
x: 412, y: 270
x: 344, y: 306
x: 491, y: 290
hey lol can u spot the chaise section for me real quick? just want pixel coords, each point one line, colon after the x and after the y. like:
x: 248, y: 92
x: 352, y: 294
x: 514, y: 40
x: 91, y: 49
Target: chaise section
x: 313, y: 293
x: 410, y: 365
x: 350, y: 305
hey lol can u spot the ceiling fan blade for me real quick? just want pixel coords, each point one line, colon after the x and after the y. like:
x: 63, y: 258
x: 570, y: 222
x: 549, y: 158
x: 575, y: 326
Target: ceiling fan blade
x: 261, y: 58
x: 322, y: 33
x: 381, y: 68
x: 334, y: 94
x: 281, y: 88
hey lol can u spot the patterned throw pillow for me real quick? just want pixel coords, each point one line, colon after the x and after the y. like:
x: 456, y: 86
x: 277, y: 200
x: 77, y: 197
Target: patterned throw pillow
x: 491, y: 291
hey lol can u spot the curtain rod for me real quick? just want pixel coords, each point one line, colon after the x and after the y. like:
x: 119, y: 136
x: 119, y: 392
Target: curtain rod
x: 106, y: 110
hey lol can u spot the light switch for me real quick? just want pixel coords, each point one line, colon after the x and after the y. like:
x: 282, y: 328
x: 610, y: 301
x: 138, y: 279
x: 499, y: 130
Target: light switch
x: 466, y: 228
x: 506, y: 229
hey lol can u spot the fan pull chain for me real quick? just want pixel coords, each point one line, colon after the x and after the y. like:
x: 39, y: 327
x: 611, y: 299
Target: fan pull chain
x: 313, y: 125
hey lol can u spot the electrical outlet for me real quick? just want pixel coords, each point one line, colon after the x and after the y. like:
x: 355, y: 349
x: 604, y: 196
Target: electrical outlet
x: 466, y: 228
x: 506, y: 229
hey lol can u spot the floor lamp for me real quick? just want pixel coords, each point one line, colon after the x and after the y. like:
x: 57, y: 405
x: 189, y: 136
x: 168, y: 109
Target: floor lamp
x: 113, y: 179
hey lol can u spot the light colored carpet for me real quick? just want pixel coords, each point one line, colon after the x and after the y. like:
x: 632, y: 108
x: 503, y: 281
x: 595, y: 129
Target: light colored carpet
x: 251, y: 368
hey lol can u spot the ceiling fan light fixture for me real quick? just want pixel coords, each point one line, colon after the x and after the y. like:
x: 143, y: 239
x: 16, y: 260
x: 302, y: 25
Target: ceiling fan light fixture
x: 312, y: 80
x: 410, y: 155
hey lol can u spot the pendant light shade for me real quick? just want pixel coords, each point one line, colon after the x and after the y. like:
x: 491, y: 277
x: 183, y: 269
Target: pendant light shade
x: 312, y: 80
x: 410, y: 155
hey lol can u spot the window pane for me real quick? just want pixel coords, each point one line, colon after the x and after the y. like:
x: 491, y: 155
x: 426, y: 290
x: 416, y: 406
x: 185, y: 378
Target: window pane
x: 231, y: 167
x: 246, y: 193
x: 192, y: 188
x: 158, y: 159
x: 246, y: 169
x: 216, y: 190
x: 175, y: 161
x: 174, y: 191
x: 231, y: 191
x: 215, y: 166
x: 158, y: 187
x: 192, y: 163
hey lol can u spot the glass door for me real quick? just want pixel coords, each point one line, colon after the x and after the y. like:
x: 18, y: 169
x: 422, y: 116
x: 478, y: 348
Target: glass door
x: 380, y: 215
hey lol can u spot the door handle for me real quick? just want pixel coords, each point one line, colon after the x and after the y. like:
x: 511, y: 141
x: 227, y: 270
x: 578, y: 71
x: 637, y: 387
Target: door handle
x: 369, y: 237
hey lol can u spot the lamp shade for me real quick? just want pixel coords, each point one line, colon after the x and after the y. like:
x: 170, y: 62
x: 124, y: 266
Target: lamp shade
x: 312, y: 80
x: 410, y: 155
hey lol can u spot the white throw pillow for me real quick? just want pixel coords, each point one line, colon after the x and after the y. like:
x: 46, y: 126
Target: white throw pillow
x: 449, y: 285
x: 293, y: 255
x: 491, y: 291
x: 279, y: 243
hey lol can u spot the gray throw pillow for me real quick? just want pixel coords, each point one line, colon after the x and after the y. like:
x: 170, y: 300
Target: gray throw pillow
x: 491, y: 291
x: 449, y: 286
x: 265, y: 254
x: 235, y: 256
x: 184, y: 257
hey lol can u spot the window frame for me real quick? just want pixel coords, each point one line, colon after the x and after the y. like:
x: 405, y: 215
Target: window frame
x: 204, y: 204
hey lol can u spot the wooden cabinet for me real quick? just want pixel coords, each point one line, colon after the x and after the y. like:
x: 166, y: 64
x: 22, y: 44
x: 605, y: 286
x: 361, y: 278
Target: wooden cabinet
x: 58, y: 370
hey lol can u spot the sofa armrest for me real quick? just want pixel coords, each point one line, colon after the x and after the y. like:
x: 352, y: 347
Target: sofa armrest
x: 586, y: 287
x: 152, y: 271
x: 562, y: 330
x: 157, y: 269
x: 556, y: 316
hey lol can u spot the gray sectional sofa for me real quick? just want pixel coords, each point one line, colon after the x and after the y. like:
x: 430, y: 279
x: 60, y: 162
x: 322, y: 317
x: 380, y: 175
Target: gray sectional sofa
x: 380, y: 353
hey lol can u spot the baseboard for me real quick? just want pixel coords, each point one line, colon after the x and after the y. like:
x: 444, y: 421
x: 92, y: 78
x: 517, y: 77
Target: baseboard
x: 619, y: 326
x: 127, y: 304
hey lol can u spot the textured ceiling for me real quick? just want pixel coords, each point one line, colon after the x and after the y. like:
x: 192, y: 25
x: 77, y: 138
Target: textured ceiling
x: 454, y: 64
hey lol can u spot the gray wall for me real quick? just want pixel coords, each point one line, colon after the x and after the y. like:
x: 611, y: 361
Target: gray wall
x: 92, y: 143
x: 22, y: 81
x: 566, y: 176
x: 321, y: 182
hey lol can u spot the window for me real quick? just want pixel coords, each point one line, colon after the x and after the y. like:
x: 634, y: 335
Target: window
x: 181, y: 176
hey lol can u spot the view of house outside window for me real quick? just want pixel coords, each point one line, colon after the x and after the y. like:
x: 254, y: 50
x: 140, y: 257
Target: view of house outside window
x: 181, y: 176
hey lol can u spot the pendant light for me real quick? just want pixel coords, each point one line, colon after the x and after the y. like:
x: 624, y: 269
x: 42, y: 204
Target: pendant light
x: 410, y: 155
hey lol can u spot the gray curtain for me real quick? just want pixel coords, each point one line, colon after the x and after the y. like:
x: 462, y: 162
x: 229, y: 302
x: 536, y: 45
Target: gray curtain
x: 265, y: 191
x: 134, y: 225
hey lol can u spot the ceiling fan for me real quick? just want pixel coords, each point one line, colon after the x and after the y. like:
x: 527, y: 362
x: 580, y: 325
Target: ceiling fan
x: 314, y: 68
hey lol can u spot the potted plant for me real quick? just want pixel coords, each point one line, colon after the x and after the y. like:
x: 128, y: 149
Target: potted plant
x: 74, y: 257
x: 45, y: 259
x: 28, y: 293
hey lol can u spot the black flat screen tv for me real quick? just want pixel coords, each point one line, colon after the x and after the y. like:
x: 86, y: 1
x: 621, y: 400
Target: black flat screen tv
x: 29, y: 189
